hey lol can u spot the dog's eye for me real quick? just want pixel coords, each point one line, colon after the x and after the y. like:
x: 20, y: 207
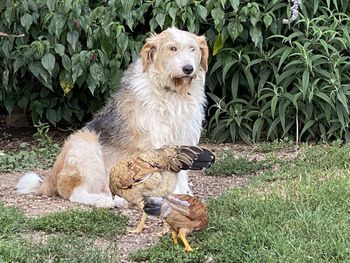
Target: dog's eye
x: 173, y: 48
x: 192, y: 48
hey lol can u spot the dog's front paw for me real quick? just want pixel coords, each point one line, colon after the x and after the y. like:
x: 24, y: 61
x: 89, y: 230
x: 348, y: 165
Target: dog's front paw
x: 120, y: 202
x: 106, y: 202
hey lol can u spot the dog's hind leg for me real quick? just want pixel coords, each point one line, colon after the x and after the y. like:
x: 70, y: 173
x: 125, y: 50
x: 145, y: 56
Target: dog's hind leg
x: 80, y: 195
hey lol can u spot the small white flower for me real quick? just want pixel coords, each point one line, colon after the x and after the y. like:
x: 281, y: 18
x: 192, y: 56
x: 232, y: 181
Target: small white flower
x: 295, y: 12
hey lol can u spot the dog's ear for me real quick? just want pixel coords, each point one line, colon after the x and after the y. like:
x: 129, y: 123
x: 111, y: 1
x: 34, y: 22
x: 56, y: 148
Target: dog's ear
x: 205, y: 52
x: 147, y: 52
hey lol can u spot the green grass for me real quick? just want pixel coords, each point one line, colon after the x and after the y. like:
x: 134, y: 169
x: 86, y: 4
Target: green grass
x: 11, y: 220
x: 61, y: 248
x: 299, y: 213
x: 28, y: 159
x: 66, y: 236
x: 276, y: 145
x: 227, y: 164
x: 94, y: 222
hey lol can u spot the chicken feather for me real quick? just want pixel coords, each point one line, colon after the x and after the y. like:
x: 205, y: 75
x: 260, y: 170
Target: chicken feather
x: 183, y: 213
x: 154, y: 172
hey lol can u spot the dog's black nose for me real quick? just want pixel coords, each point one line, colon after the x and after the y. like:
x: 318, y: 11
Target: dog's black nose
x: 187, y: 69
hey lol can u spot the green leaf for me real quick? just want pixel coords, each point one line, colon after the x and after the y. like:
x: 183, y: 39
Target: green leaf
x: 76, y: 67
x: 342, y: 98
x: 217, y: 45
x: 73, y: 38
x: 273, y: 105
x: 227, y: 67
x: 235, y: 85
x: 256, y: 35
x: 235, y: 4
x: 305, y: 82
x: 123, y: 42
x: 273, y: 126
x: 325, y: 98
x: 290, y: 73
x: 202, y: 12
x: 96, y: 71
x: 233, y: 131
x: 223, y: 3
x: 18, y: 63
x: 285, y: 54
x: 51, y: 4
x: 306, y: 127
x: 257, y: 129
x: 234, y: 29
x: 52, y: 116
x: 67, y: 64
x: 92, y: 83
x: 57, y: 24
x: 26, y: 21
x: 9, y: 103
x: 244, y: 137
x: 160, y: 18
x: 39, y: 71
x: 23, y: 102
x: 59, y: 49
x: 250, y: 80
x: 267, y: 20
x: 48, y: 61
x: 172, y: 12
x: 218, y: 15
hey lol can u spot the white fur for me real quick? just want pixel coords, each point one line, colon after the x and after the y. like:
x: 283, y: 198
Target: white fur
x: 178, y: 119
x: 87, y: 156
x: 29, y: 183
x: 167, y: 117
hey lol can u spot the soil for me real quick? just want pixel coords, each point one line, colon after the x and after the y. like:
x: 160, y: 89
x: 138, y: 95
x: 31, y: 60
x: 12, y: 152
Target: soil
x: 203, y: 186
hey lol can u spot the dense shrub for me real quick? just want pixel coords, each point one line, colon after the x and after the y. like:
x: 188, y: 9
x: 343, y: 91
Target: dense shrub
x: 286, y: 80
x: 267, y: 80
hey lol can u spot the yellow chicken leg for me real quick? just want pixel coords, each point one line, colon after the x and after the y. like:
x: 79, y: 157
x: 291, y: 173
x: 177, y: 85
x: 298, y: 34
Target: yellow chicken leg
x: 141, y: 226
x: 182, y: 236
x: 174, y: 237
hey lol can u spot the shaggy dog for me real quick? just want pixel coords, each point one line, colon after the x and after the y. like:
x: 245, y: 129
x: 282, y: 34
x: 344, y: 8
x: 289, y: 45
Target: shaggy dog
x: 161, y: 101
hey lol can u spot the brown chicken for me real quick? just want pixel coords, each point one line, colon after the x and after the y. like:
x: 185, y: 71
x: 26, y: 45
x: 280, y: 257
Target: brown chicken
x: 183, y: 213
x: 154, y: 173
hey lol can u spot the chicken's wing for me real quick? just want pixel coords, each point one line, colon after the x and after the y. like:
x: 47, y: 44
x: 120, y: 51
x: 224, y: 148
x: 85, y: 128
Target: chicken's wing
x: 136, y: 170
x: 154, y: 173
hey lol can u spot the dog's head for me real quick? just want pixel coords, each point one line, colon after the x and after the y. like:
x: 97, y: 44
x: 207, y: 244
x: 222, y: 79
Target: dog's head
x: 176, y: 56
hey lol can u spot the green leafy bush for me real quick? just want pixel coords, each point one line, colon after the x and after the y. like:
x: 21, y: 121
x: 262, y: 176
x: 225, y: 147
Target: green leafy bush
x: 292, y: 80
x: 267, y: 80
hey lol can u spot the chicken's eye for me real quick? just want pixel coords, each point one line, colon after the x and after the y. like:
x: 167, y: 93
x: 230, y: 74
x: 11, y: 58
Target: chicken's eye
x: 173, y: 48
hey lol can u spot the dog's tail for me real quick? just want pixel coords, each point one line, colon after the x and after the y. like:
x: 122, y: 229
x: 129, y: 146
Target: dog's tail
x: 29, y: 183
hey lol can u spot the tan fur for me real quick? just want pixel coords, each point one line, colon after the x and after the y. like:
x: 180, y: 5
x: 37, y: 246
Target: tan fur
x: 157, y: 104
x: 65, y: 176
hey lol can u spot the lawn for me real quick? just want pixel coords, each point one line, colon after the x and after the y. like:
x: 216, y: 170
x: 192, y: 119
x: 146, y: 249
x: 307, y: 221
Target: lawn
x: 290, y: 210
x: 299, y: 213
x: 70, y: 236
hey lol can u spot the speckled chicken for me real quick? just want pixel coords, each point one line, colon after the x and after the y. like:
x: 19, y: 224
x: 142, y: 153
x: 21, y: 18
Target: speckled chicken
x: 183, y: 213
x: 154, y: 173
